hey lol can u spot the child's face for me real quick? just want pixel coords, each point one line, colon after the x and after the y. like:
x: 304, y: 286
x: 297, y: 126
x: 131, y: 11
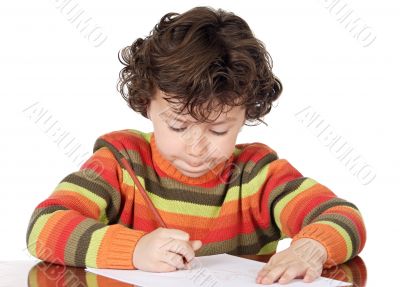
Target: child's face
x: 195, y: 148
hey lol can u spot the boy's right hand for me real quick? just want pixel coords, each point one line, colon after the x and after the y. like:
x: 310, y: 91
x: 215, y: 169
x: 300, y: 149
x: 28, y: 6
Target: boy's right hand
x: 164, y: 250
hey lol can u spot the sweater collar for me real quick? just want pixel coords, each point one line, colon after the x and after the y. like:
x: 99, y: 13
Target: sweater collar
x: 218, y: 172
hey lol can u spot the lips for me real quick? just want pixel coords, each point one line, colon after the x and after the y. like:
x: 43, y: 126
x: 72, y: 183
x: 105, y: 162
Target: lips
x: 195, y: 164
x: 194, y: 167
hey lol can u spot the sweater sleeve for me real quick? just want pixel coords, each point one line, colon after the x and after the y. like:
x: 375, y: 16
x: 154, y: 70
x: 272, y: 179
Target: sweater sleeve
x: 78, y: 224
x: 303, y: 208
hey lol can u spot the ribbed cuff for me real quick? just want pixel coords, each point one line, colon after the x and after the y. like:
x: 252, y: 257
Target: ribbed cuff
x: 331, y: 241
x: 121, y: 245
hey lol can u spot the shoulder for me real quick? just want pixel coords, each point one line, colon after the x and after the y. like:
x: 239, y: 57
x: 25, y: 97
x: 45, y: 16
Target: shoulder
x: 252, y: 160
x: 254, y: 151
x: 258, y: 158
x: 123, y: 140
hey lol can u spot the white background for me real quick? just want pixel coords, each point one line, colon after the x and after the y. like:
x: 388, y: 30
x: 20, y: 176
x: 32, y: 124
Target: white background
x: 47, y: 62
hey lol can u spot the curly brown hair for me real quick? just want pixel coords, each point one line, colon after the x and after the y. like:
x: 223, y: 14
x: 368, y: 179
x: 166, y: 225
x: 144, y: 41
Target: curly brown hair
x: 203, y: 60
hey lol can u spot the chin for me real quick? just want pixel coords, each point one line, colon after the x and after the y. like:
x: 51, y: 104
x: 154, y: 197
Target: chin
x: 193, y: 174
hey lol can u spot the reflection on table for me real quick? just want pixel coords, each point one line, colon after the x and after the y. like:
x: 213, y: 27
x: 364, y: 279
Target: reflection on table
x: 45, y: 274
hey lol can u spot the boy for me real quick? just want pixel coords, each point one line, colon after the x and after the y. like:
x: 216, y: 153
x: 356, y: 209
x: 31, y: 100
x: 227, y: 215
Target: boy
x: 199, y: 76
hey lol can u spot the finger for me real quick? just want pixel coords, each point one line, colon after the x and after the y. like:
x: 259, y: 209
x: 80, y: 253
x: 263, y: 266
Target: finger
x: 266, y: 268
x: 272, y: 275
x: 173, y: 259
x: 175, y: 234
x: 196, y: 244
x: 164, y: 267
x: 292, y: 272
x: 182, y: 248
x: 311, y: 275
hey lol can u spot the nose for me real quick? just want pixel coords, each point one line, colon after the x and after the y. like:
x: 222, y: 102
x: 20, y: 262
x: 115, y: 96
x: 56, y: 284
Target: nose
x: 196, y: 146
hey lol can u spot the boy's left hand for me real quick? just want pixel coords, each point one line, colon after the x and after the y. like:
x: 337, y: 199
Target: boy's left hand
x: 304, y: 258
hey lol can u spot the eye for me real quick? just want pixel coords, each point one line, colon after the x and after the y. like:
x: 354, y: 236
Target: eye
x: 219, y: 133
x: 179, y: 130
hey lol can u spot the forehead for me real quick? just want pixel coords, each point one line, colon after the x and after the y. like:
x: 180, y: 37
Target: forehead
x: 171, y: 109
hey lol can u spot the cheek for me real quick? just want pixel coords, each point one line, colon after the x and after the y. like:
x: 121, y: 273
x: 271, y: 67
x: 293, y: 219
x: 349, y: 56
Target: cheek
x: 173, y: 145
x: 223, y: 147
x: 168, y: 143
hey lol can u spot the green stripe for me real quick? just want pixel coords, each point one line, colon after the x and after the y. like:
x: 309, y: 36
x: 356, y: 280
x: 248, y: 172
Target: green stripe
x: 32, y: 276
x: 91, y: 279
x: 268, y: 248
x: 242, y: 243
x: 94, y: 245
x: 325, y: 206
x: 99, y: 201
x: 170, y: 189
x: 37, y: 213
x: 234, y: 194
x: 184, y: 208
x: 127, y: 179
x: 92, y: 181
x: 347, y: 224
x: 145, y: 135
x: 248, y: 189
x: 71, y: 249
x: 286, y: 199
x: 36, y: 230
x: 83, y: 244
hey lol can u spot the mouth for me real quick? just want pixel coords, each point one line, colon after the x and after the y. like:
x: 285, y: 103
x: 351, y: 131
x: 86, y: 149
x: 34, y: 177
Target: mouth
x: 195, y: 168
x: 194, y: 165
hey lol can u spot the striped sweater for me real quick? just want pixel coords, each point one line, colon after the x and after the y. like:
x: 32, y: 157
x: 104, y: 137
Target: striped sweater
x: 95, y: 216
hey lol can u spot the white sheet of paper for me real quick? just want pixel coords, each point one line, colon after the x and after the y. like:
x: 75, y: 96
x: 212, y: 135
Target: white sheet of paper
x: 208, y: 271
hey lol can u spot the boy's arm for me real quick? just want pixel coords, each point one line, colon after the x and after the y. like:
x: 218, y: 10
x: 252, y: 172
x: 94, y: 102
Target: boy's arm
x: 303, y: 208
x: 77, y: 225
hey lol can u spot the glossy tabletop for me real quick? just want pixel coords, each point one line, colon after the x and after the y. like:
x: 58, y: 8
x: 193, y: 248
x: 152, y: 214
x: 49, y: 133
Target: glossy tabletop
x: 43, y: 274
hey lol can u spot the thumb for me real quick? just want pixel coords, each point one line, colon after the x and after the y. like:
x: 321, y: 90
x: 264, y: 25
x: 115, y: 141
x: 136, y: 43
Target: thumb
x: 196, y: 244
x: 175, y: 234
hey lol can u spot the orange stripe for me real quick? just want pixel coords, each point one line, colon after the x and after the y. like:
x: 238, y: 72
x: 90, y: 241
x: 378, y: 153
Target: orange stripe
x: 43, y: 278
x: 186, y: 222
x: 197, y: 226
x: 191, y: 220
x: 102, y: 253
x: 297, y: 203
x: 45, y: 243
x: 60, y: 235
x: 75, y: 201
x: 245, y: 204
x: 107, y: 282
x: 319, y: 231
x: 105, y: 154
x: 355, y: 217
x: 228, y: 208
x: 104, y: 164
x: 117, y: 240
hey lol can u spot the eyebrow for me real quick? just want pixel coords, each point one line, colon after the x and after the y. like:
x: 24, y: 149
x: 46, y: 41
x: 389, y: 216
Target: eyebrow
x: 228, y: 119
